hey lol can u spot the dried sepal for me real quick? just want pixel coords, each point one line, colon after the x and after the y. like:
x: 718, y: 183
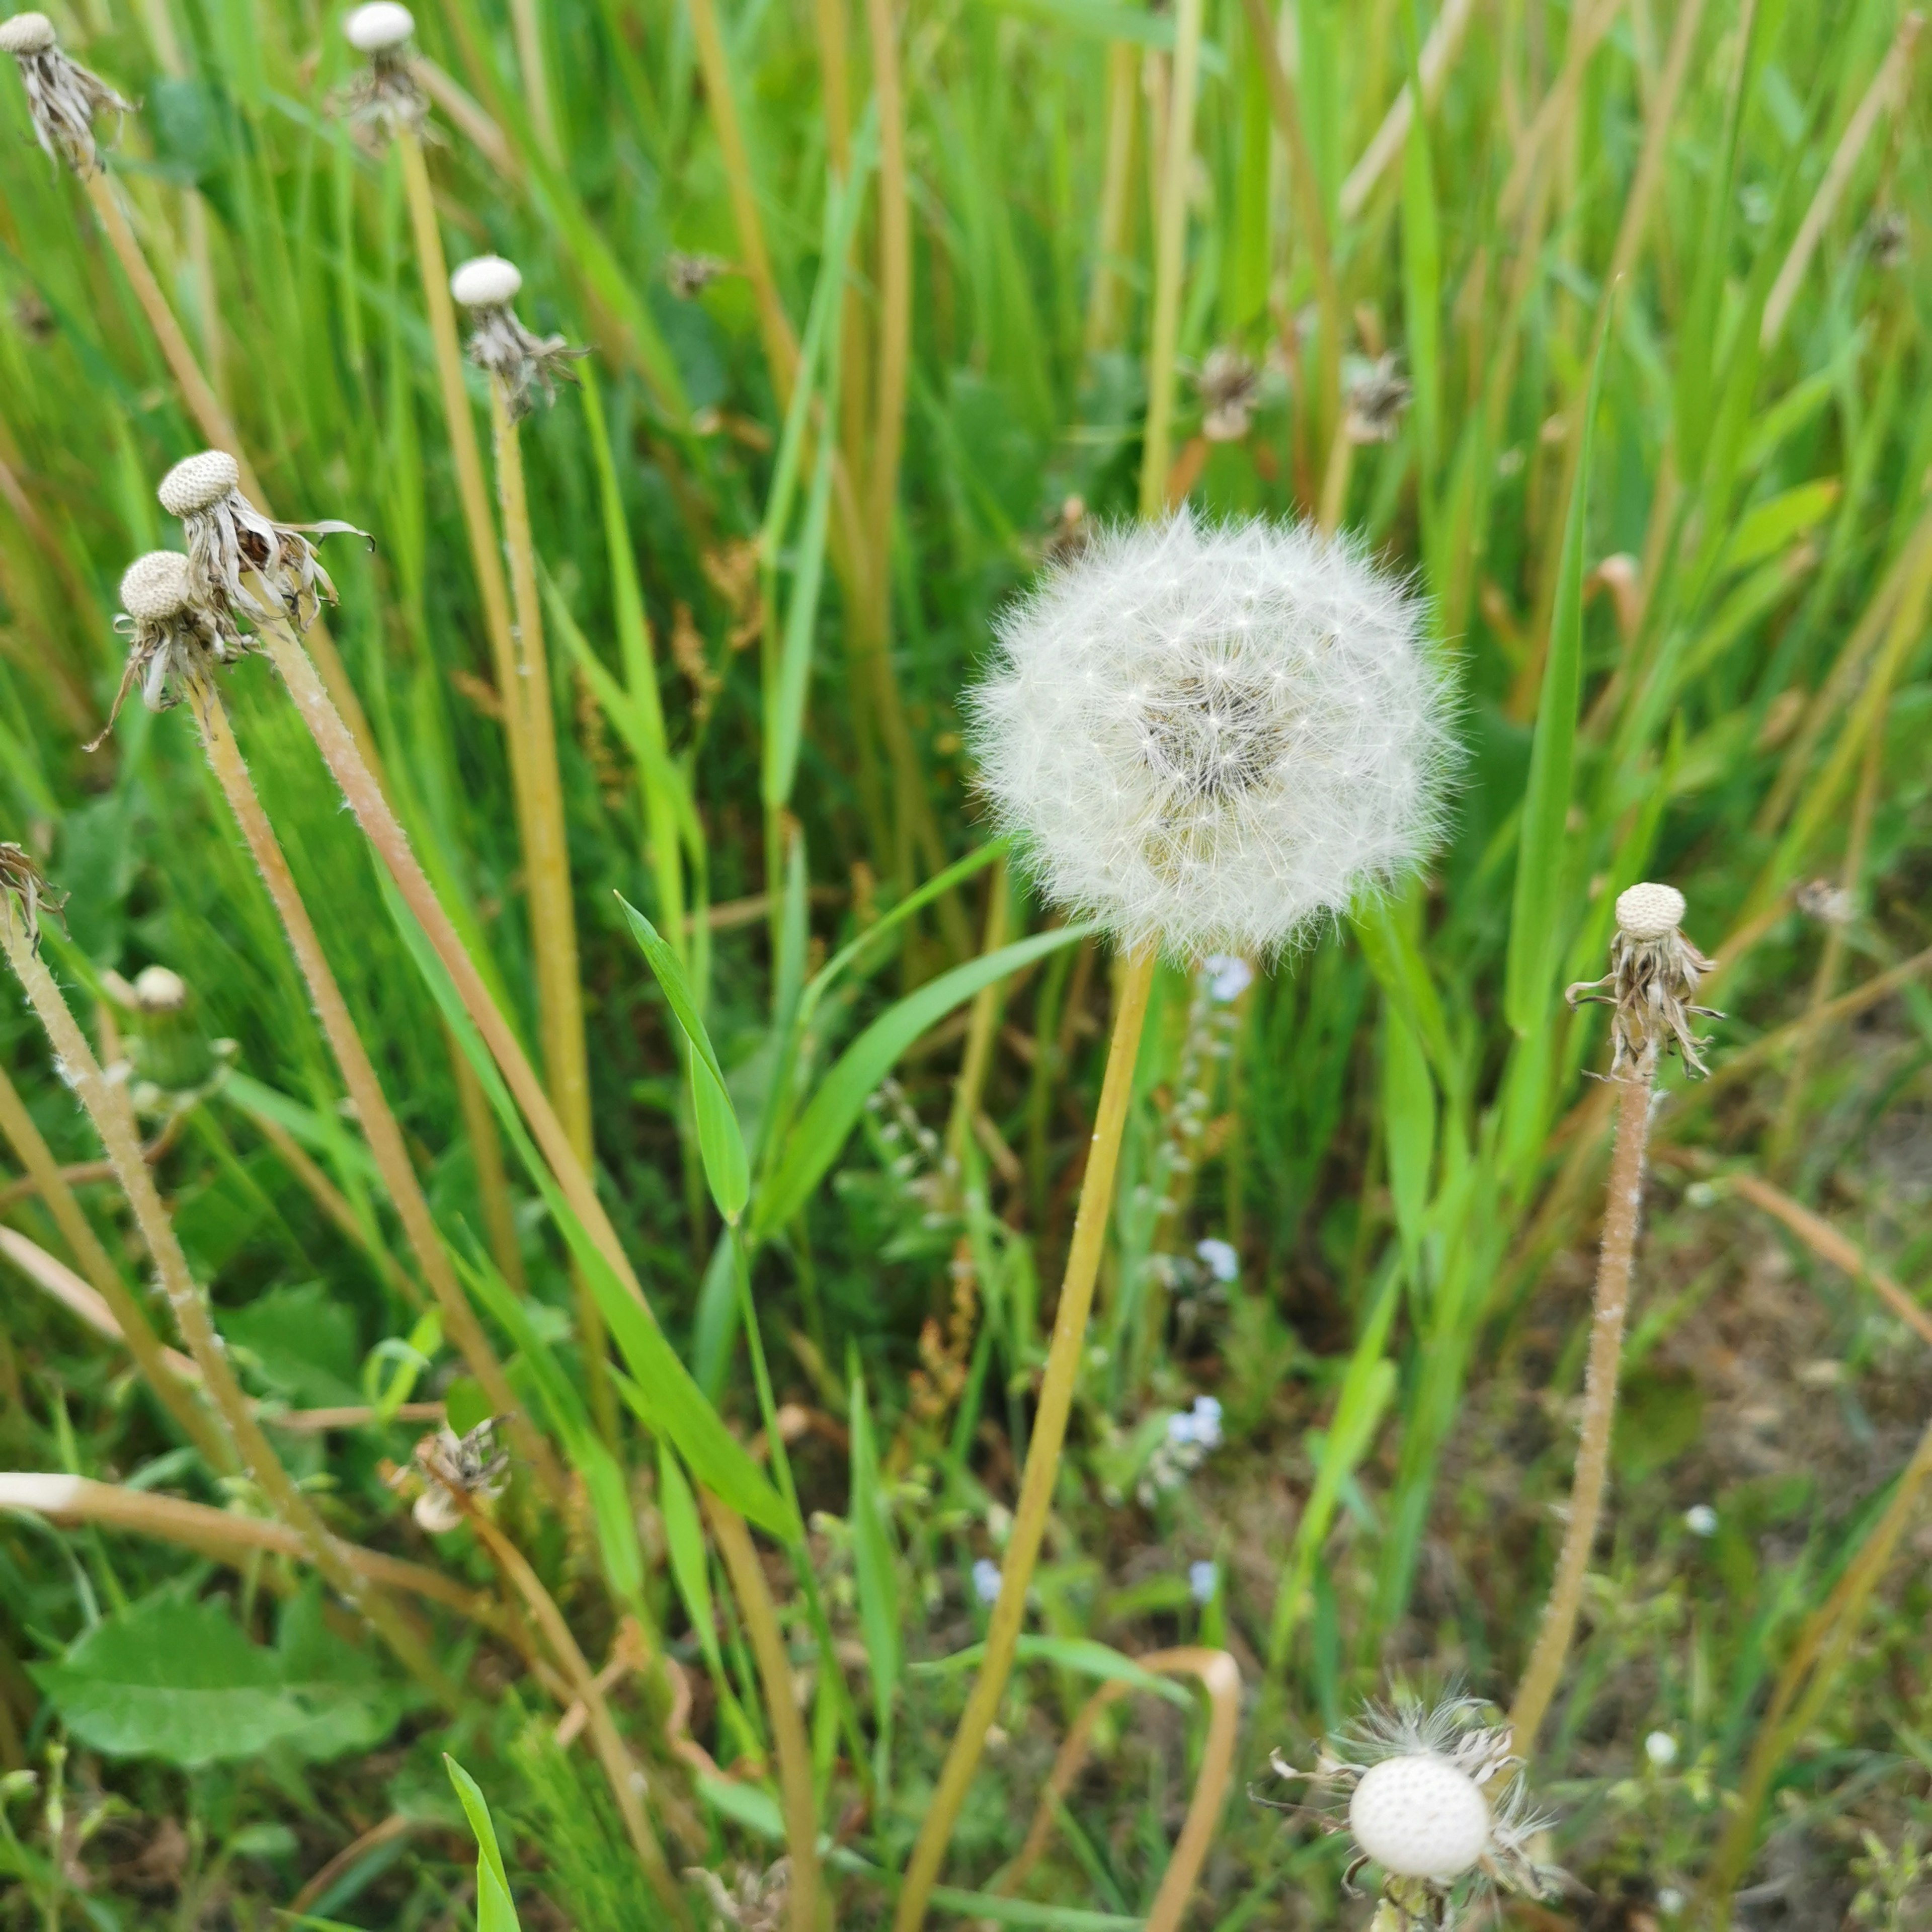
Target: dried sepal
x: 23, y: 881
x: 382, y: 99
x: 1652, y: 984
x: 176, y: 635
x: 229, y: 541
x: 455, y: 1471
x: 62, y: 96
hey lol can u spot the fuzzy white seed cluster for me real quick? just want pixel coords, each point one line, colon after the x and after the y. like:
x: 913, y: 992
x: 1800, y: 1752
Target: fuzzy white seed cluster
x: 1211, y: 736
x: 488, y: 281
x: 27, y: 34
x: 198, y: 483
x: 1420, y: 1816
x: 379, y: 26
x: 1649, y: 912
x: 156, y: 586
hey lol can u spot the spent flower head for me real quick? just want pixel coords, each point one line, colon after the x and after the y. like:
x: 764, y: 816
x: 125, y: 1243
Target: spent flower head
x: 176, y: 633
x: 1652, y: 982
x: 1211, y: 736
x: 1377, y: 398
x: 1229, y: 384
x: 62, y: 97
x: 22, y: 880
x: 383, y: 100
x: 454, y: 1470
x: 499, y: 342
x: 1436, y: 1797
x: 229, y: 541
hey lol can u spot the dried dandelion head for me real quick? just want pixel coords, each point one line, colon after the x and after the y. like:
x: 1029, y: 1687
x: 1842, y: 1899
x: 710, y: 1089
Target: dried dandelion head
x: 176, y: 635
x: 1652, y: 983
x: 1229, y: 386
x: 233, y: 549
x: 24, y: 884
x: 1377, y: 398
x: 454, y: 1469
x: 499, y: 342
x: 1436, y: 1798
x: 62, y: 96
x: 756, y: 1902
x: 690, y: 275
x: 1211, y: 736
x: 383, y: 101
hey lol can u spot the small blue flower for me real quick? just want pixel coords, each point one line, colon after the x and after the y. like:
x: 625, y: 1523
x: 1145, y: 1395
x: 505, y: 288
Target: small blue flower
x: 1201, y: 1578
x: 1228, y: 976
x: 1180, y: 1429
x: 1207, y: 1422
x: 986, y: 1580
x: 1219, y: 1258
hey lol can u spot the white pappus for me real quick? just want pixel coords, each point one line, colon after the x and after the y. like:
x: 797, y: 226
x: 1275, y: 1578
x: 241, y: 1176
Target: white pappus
x: 1211, y: 736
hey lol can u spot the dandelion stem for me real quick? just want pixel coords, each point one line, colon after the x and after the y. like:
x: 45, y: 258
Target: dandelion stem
x: 1621, y: 1212
x: 1169, y: 262
x: 385, y: 832
x: 794, y: 1753
x: 1049, y: 1434
x: 385, y: 1137
x: 107, y: 1106
x: 143, y: 1344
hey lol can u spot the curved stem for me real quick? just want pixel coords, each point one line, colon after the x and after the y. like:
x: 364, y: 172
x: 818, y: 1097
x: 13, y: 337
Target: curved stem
x: 794, y: 1753
x: 1049, y: 1434
x: 379, y: 1128
x: 1621, y: 1212
x: 107, y: 1106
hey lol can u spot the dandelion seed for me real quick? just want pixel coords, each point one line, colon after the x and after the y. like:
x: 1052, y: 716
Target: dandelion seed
x: 176, y: 637
x: 230, y: 541
x: 1652, y: 982
x: 1219, y: 1258
x: 486, y: 285
x: 1436, y: 1797
x: 62, y: 97
x: 383, y: 101
x: 1211, y: 736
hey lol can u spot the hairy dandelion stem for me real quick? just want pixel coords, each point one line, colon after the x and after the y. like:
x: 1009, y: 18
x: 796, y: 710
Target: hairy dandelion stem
x: 143, y: 1344
x: 378, y: 1124
x: 794, y: 1753
x: 1049, y: 1435
x: 1621, y: 1213
x: 107, y: 1106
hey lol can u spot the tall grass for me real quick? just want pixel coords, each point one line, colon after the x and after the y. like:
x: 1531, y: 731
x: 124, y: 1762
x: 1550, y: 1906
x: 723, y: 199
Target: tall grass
x: 1655, y: 275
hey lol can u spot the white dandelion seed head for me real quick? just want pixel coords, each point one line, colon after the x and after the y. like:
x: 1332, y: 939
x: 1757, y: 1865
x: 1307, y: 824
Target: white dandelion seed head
x: 486, y: 281
x: 380, y: 25
x: 28, y: 34
x: 156, y: 586
x: 1647, y: 912
x: 1420, y: 1817
x: 199, y: 482
x: 1211, y: 736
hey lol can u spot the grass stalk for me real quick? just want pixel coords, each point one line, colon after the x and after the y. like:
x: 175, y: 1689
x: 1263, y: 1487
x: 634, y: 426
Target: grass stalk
x: 1049, y: 1435
x: 1621, y: 1212
x: 1438, y: 54
x: 1117, y: 182
x: 976, y: 1061
x: 620, y: 1768
x: 385, y: 832
x: 492, y: 1179
x: 527, y: 28
x: 150, y: 1355
x: 108, y: 1107
x: 794, y: 1751
x: 379, y: 1126
x: 1169, y: 262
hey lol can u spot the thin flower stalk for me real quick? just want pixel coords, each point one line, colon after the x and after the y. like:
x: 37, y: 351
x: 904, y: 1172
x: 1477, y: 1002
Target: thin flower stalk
x: 150, y: 1354
x: 108, y: 1107
x: 794, y: 1754
x: 1651, y: 989
x: 1043, y: 1448
x: 379, y: 1123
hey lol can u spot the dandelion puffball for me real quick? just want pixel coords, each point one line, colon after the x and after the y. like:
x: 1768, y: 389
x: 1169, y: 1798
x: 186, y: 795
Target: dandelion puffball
x: 1209, y: 735
x: 1649, y: 912
x: 27, y: 34
x: 379, y: 26
x: 156, y: 586
x: 487, y: 282
x: 1420, y: 1816
x: 198, y: 483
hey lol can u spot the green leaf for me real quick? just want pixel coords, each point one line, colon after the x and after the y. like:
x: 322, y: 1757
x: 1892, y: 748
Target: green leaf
x: 719, y: 1138
x: 496, y: 1911
x: 1772, y: 525
x: 813, y: 1144
x: 874, y: 1561
x: 1080, y: 1655
x: 304, y: 1342
x: 181, y: 1682
x: 1545, y: 847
